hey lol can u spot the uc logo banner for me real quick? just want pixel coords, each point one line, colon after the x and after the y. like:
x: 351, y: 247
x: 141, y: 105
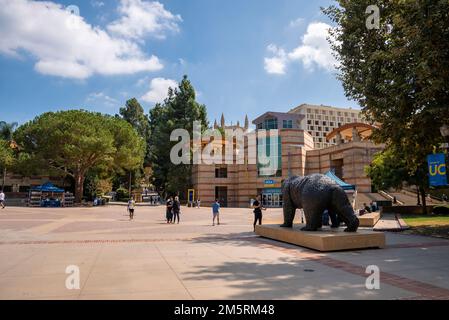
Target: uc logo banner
x: 437, y: 169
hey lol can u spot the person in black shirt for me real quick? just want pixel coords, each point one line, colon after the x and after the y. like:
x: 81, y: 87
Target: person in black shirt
x: 257, y: 206
x: 169, y: 212
x: 176, y: 209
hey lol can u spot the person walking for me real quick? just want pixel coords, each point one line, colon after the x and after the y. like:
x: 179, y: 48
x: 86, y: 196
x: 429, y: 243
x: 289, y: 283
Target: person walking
x: 2, y: 199
x: 131, y: 205
x: 257, y: 206
x: 169, y: 210
x: 176, y: 209
x: 216, y: 212
x: 198, y: 203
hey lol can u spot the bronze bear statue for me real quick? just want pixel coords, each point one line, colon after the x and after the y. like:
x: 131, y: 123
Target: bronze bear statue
x: 314, y: 194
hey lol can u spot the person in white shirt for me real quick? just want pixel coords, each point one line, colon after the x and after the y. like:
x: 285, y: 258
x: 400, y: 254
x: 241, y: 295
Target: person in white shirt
x: 131, y: 205
x: 2, y: 199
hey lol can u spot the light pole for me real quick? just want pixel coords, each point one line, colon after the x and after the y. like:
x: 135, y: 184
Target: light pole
x: 444, y: 130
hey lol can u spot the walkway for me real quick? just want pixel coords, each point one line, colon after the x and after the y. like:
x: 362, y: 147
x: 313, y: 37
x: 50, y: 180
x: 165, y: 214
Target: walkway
x: 148, y: 259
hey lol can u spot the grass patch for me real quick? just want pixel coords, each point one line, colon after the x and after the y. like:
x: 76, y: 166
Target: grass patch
x: 434, y: 226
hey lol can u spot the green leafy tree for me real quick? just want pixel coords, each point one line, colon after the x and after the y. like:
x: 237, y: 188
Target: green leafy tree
x: 75, y: 141
x: 398, y: 74
x: 7, y: 130
x: 134, y: 114
x: 7, y: 145
x: 7, y: 158
x: 179, y: 110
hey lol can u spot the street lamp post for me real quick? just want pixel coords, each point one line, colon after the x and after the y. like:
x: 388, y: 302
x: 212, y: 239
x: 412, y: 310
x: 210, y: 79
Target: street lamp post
x: 444, y: 130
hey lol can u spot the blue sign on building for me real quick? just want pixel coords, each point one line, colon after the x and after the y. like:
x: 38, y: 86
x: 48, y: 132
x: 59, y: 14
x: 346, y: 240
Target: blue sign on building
x: 437, y: 170
x: 269, y: 182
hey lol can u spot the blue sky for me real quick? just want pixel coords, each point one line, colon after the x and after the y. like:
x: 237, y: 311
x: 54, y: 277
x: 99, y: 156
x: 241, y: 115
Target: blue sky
x: 243, y: 57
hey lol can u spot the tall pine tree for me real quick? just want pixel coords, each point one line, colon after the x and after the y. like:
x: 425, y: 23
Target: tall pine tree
x: 179, y: 110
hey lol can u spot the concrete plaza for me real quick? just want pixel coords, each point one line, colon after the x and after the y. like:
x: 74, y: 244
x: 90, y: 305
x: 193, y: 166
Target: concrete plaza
x: 148, y: 259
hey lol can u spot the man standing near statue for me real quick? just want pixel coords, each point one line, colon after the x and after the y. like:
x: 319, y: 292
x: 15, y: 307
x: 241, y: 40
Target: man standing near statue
x: 258, y: 207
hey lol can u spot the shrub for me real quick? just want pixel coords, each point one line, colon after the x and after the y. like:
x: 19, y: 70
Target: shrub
x: 122, y: 194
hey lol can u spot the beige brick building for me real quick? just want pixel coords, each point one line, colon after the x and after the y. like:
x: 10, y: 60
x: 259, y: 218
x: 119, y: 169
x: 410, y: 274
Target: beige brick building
x: 320, y: 120
x: 236, y: 184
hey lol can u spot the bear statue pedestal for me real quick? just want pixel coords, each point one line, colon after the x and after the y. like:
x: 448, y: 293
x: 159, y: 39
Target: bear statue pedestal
x: 369, y: 219
x: 325, y: 240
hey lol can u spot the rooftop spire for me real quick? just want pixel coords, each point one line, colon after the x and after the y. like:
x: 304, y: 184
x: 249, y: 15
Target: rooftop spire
x: 222, y: 121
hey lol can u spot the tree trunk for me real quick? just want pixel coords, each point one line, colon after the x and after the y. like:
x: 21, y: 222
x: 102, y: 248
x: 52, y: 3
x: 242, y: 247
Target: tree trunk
x: 79, y: 187
x: 423, y: 197
x: 4, y: 178
x: 418, y: 195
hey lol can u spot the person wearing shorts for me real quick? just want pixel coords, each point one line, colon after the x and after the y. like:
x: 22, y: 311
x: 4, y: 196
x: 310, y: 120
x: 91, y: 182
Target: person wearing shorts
x: 216, y: 212
x: 131, y: 205
x: 2, y: 199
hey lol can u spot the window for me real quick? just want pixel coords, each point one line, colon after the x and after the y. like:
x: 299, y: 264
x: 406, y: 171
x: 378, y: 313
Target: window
x: 270, y: 124
x: 309, y: 122
x: 312, y: 128
x: 331, y: 124
x: 326, y: 129
x: 260, y: 126
x: 319, y: 128
x: 269, y: 153
x: 324, y: 123
x: 309, y: 111
x: 221, y: 172
x: 317, y: 123
x: 287, y: 124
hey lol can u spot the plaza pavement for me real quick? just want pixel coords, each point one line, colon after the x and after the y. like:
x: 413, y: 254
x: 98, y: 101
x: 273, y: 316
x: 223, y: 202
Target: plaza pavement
x: 148, y: 259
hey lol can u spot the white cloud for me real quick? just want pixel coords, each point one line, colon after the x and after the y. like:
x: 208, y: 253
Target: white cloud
x: 102, y: 98
x: 296, y: 23
x: 159, y: 89
x: 65, y: 45
x: 141, y: 18
x: 277, y: 63
x: 314, y: 51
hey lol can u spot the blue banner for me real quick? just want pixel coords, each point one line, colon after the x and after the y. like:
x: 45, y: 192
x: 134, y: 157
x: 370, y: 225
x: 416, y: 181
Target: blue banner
x: 437, y: 170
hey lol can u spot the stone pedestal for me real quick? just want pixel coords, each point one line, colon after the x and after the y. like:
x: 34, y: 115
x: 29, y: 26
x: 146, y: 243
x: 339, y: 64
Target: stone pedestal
x: 369, y: 219
x: 325, y: 240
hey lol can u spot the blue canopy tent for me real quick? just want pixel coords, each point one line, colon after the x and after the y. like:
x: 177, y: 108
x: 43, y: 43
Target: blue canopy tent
x: 48, y: 187
x: 341, y: 183
x: 52, y: 200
